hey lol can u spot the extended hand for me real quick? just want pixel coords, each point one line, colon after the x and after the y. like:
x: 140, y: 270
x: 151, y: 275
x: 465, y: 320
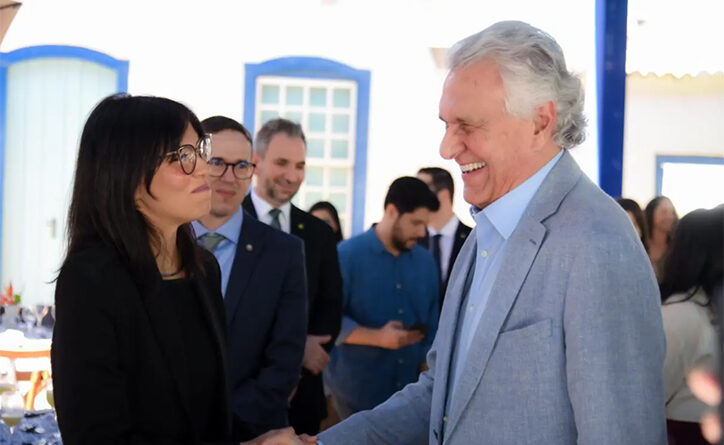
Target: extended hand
x: 393, y: 335
x: 315, y: 357
x: 284, y: 436
x: 705, y: 387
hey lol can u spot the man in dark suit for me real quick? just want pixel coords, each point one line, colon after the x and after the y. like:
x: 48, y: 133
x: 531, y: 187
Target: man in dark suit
x: 445, y: 232
x: 263, y: 282
x: 279, y: 154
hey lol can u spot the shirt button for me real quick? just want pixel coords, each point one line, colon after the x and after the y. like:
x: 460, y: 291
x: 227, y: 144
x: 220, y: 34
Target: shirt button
x: 444, y: 419
x: 471, y: 308
x: 400, y: 361
x: 398, y: 286
x: 400, y: 311
x: 484, y: 253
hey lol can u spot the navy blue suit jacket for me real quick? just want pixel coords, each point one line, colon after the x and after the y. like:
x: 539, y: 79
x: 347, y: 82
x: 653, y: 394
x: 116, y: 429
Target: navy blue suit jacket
x: 266, y: 309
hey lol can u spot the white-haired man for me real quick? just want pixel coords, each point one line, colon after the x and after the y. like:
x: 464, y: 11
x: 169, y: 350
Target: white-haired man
x: 551, y: 328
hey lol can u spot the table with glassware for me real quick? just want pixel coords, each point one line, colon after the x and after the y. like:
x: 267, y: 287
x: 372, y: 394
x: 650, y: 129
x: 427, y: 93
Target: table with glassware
x: 26, y: 394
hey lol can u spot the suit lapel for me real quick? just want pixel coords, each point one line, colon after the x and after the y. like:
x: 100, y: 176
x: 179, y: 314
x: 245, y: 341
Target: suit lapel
x: 169, y: 337
x: 248, y: 249
x: 461, y: 234
x: 296, y: 220
x: 248, y: 205
x: 520, y: 252
x: 446, y: 335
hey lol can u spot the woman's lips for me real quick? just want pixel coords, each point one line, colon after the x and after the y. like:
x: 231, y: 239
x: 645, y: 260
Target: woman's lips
x: 201, y: 188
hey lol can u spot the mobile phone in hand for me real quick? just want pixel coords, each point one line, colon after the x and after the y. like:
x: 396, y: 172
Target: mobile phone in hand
x: 422, y: 327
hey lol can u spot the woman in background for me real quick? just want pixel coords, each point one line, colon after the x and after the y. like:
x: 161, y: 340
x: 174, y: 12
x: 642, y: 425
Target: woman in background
x: 661, y: 219
x: 694, y: 268
x: 139, y: 347
x: 638, y: 219
x: 328, y: 213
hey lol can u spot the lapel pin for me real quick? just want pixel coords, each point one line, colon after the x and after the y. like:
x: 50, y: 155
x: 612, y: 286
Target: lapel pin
x: 249, y: 247
x: 300, y: 226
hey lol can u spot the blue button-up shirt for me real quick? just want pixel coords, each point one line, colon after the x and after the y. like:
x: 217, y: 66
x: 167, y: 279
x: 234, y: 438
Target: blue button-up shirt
x: 379, y: 287
x: 226, y: 250
x: 494, y: 225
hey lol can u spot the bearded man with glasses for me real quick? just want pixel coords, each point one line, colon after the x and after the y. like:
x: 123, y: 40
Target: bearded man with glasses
x: 263, y: 283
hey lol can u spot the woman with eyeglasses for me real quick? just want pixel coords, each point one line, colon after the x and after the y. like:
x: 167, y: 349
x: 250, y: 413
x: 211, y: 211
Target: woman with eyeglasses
x: 139, y: 346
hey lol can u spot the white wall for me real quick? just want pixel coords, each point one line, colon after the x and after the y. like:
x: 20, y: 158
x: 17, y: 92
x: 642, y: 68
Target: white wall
x: 669, y: 116
x: 195, y: 52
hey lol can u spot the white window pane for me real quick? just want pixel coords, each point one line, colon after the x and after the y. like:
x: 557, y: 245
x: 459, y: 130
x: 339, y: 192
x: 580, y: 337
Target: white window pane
x: 270, y: 94
x: 311, y: 198
x: 317, y: 122
x: 340, y: 123
x: 294, y: 116
x: 338, y: 177
x: 339, y: 200
x: 341, y: 98
x: 340, y: 149
x: 688, y: 195
x: 314, y: 176
x: 315, y: 148
x: 267, y: 116
x: 318, y: 97
x: 295, y: 95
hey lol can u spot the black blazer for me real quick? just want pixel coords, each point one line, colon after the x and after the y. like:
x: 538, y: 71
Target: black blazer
x: 118, y: 358
x: 324, y: 286
x: 461, y: 234
x: 266, y: 307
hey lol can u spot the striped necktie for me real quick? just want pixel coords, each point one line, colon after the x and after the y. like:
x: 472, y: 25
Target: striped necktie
x: 211, y: 240
x: 274, y: 213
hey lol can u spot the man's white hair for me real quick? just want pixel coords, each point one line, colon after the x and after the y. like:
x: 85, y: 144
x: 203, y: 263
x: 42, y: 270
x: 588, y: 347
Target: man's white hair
x: 534, y: 72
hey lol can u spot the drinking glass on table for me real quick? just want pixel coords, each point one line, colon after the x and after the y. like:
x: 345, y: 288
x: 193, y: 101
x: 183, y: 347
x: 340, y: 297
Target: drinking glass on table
x: 12, y: 407
x: 8, y: 378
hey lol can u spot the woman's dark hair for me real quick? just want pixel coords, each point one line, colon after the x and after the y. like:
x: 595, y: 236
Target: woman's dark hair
x: 696, y: 255
x: 632, y: 206
x: 123, y: 143
x: 649, y: 213
x: 328, y: 206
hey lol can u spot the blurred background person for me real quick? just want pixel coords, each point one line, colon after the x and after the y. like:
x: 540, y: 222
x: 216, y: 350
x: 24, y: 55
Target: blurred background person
x: 390, y: 311
x: 694, y: 268
x: 661, y: 219
x: 263, y: 283
x: 140, y: 323
x: 445, y: 232
x: 638, y: 219
x: 280, y: 152
x: 326, y: 211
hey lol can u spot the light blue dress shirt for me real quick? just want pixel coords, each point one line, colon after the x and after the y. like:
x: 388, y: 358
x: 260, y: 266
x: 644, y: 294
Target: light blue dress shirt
x: 226, y: 250
x: 495, y: 224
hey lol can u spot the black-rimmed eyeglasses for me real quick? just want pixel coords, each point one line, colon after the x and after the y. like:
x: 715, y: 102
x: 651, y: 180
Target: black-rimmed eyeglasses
x: 188, y: 154
x: 241, y: 169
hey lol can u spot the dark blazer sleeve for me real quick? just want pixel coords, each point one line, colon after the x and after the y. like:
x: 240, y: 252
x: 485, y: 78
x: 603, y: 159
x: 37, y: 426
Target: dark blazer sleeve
x: 269, y: 390
x: 326, y: 313
x: 87, y: 373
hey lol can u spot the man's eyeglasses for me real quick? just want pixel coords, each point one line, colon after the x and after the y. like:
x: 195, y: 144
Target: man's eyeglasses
x: 241, y: 169
x: 188, y: 154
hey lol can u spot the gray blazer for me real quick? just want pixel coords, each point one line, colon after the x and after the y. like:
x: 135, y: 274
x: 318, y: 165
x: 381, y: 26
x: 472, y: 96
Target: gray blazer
x: 569, y: 350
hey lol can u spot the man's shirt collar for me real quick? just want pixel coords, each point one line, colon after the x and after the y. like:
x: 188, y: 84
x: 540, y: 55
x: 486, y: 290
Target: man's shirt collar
x: 262, y: 207
x: 231, y: 229
x: 505, y: 213
x: 448, y: 229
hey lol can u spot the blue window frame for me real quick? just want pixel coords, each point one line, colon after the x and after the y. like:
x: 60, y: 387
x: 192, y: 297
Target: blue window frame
x: 43, y: 52
x: 318, y: 68
x: 661, y: 160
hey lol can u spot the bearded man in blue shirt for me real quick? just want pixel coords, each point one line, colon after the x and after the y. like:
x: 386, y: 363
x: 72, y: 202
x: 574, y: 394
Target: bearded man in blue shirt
x: 390, y: 310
